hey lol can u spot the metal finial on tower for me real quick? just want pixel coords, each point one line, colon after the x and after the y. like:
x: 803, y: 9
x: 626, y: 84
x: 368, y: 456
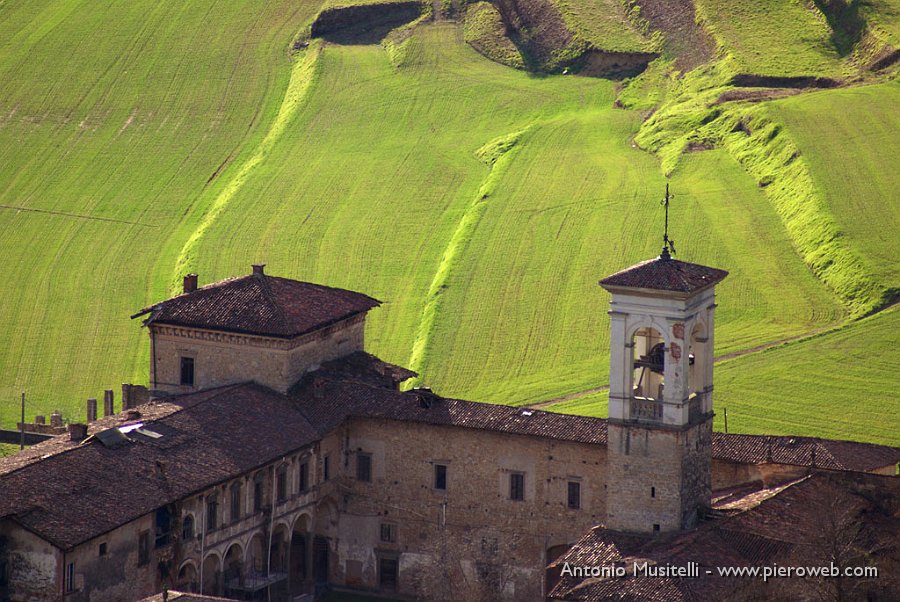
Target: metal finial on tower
x: 668, y: 244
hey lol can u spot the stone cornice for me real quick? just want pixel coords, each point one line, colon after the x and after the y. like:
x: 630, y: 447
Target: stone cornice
x: 247, y: 340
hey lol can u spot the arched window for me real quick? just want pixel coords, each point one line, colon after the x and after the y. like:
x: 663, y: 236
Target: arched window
x: 187, y: 527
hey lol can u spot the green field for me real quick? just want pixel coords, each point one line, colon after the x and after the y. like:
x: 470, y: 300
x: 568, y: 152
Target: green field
x: 779, y: 38
x: 832, y: 385
x: 481, y: 203
x: 858, y: 127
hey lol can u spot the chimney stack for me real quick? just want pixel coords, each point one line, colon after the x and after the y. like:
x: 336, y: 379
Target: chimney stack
x: 56, y: 419
x: 108, y: 398
x: 40, y: 419
x: 258, y: 269
x: 190, y: 283
x: 91, y: 409
x: 77, y: 431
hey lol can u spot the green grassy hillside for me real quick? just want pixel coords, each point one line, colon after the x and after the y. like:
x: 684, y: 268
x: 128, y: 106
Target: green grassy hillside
x: 832, y: 385
x: 481, y: 203
x: 846, y: 136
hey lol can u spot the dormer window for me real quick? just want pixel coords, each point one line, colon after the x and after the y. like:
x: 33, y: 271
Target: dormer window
x: 187, y: 371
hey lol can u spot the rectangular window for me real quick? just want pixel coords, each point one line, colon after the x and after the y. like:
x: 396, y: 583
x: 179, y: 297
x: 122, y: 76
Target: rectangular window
x: 235, y: 502
x: 143, y: 548
x: 574, y: 501
x: 187, y: 371
x: 364, y: 467
x: 304, y: 477
x: 258, y: 492
x: 517, y: 486
x: 440, y: 477
x: 387, y: 573
x: 102, y: 550
x: 69, y: 584
x: 388, y: 532
x: 326, y: 468
x: 212, y: 510
x: 281, y: 484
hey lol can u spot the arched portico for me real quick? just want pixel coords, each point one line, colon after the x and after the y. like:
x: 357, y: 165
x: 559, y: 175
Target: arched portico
x: 187, y: 579
x: 211, y: 578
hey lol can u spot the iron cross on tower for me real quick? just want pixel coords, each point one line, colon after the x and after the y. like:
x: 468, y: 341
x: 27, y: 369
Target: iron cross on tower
x: 668, y: 244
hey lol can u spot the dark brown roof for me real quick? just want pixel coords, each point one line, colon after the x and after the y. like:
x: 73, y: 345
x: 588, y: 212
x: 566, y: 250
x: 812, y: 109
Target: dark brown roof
x: 666, y: 275
x: 81, y: 491
x: 260, y: 304
x: 789, y: 526
x: 328, y: 403
x: 804, y: 451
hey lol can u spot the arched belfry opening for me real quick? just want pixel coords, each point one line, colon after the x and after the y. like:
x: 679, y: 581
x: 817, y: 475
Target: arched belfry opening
x: 660, y: 392
x: 649, y: 361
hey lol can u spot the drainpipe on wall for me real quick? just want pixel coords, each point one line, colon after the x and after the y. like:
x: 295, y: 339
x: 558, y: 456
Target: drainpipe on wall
x: 202, y: 542
x: 271, y: 528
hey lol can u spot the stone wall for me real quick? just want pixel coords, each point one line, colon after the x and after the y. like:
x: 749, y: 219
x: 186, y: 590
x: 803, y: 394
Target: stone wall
x: 480, y: 528
x: 661, y: 476
x: 225, y: 358
x: 32, y: 565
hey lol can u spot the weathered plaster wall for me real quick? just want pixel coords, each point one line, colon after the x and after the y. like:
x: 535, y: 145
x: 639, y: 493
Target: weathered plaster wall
x: 223, y: 358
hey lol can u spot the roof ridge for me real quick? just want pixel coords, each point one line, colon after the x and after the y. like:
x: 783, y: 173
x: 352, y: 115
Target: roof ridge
x: 262, y: 280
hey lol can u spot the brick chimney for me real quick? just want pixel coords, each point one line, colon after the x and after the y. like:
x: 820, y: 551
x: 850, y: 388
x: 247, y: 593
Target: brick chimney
x: 77, y: 431
x: 190, y: 283
x: 108, y: 401
x: 91, y: 409
x: 258, y: 269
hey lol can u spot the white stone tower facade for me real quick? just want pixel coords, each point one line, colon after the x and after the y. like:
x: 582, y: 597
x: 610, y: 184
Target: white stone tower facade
x: 660, y: 394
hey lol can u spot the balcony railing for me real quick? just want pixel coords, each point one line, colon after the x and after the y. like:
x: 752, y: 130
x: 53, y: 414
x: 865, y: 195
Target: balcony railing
x: 646, y: 410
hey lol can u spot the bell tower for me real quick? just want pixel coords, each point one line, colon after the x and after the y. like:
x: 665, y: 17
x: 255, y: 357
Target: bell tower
x: 660, y: 392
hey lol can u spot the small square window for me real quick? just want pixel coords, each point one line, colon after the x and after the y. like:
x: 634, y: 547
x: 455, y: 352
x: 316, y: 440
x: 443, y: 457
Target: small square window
x: 388, y: 532
x: 364, y: 467
x: 656, y: 528
x: 102, y: 550
x: 517, y: 486
x: 574, y: 497
x: 440, y: 477
x: 187, y: 371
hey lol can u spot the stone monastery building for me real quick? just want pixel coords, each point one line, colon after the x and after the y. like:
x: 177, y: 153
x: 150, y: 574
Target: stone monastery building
x: 271, y: 457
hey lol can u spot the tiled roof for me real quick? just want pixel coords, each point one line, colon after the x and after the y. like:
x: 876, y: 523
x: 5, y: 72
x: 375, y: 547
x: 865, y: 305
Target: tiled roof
x: 786, y: 527
x: 78, y: 492
x: 803, y: 451
x: 260, y: 304
x: 327, y: 403
x: 663, y: 274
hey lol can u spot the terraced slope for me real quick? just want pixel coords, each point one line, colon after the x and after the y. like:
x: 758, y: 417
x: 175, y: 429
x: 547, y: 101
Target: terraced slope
x: 849, y: 140
x: 773, y: 39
